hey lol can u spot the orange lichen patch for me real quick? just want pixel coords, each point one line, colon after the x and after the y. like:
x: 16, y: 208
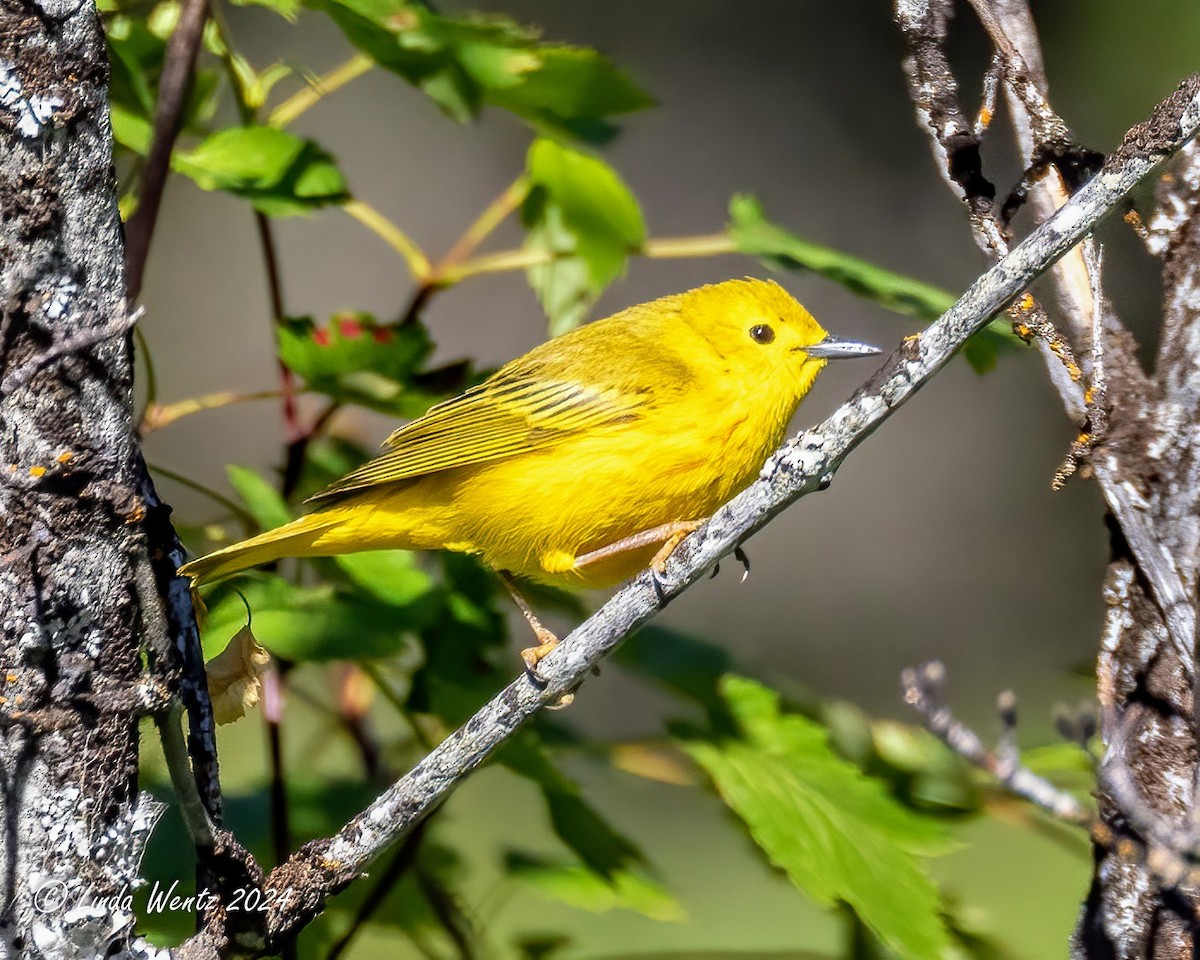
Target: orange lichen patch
x: 985, y: 116
x: 1026, y: 302
x: 136, y: 515
x: 10, y: 678
x: 37, y: 471
x: 65, y: 457
x: 1089, y: 395
x: 1083, y: 439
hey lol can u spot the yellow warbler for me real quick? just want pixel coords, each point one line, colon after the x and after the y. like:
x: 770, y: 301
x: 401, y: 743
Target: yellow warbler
x: 587, y: 458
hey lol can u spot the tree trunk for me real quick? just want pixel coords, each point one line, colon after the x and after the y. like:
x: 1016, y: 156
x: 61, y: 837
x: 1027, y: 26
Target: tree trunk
x: 75, y: 581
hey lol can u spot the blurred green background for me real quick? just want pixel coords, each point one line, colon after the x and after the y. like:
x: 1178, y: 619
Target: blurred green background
x: 939, y: 538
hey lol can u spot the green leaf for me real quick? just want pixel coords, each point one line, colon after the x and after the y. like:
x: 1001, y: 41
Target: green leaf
x: 463, y: 63
x: 569, y: 90
x: 352, y: 343
x: 266, y: 505
x: 612, y: 872
x: 391, y: 576
x: 586, y: 890
x: 312, y: 623
x: 585, y: 220
x: 578, y: 824
x: 752, y: 233
x: 280, y: 173
x: 686, y: 666
x: 835, y: 832
x: 358, y: 360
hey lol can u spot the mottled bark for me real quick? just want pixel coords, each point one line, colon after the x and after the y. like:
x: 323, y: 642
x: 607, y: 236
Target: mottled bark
x: 75, y: 583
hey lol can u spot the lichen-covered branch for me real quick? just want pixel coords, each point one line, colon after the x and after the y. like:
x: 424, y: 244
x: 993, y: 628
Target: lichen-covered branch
x: 805, y: 464
x: 1139, y: 437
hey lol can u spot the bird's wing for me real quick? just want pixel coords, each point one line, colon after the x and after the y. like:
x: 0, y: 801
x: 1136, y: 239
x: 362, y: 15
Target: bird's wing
x: 513, y: 412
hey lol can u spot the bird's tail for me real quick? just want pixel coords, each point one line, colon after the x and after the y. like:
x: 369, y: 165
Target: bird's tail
x: 295, y: 539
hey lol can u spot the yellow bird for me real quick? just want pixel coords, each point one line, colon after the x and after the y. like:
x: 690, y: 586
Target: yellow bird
x: 588, y: 458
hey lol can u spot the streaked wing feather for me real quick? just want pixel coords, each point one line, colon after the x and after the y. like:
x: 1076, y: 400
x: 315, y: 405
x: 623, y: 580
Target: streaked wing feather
x: 502, y: 417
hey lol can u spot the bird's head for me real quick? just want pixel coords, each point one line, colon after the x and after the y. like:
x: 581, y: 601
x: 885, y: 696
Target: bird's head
x: 757, y: 326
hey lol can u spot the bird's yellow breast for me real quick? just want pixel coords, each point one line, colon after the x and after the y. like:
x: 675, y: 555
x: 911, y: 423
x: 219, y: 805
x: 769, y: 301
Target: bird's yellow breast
x: 533, y: 513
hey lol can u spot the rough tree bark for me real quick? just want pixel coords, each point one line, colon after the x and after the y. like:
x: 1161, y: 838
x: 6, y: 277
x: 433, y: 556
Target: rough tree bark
x: 75, y: 584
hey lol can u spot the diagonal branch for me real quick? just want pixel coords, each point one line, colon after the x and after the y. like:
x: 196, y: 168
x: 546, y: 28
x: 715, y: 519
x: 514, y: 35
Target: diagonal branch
x: 299, y: 888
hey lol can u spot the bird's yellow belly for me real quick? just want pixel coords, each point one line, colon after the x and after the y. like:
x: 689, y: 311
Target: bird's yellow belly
x: 535, y: 514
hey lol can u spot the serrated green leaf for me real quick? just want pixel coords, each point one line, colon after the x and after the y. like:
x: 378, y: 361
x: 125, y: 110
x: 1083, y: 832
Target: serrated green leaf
x: 836, y: 833
x: 352, y: 343
x: 262, y: 500
x: 585, y: 220
x: 357, y: 360
x: 752, y: 233
x: 462, y: 63
x: 280, y: 173
x: 587, y: 890
x: 310, y: 623
x: 391, y: 576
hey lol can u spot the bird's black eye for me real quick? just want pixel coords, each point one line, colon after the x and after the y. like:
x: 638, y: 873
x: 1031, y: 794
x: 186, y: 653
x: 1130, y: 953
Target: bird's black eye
x: 761, y: 333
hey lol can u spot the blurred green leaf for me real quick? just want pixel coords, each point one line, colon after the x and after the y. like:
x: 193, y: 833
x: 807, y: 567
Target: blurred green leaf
x: 576, y: 822
x: 281, y: 174
x: 391, y: 576
x: 753, y: 234
x: 312, y: 623
x: 686, y: 666
x: 136, y: 50
x: 465, y: 62
x: 583, y: 217
x: 264, y: 502
x: 587, y: 890
x: 835, y: 832
x: 1066, y: 765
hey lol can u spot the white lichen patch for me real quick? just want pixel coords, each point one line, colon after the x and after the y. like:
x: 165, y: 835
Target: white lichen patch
x: 33, y: 112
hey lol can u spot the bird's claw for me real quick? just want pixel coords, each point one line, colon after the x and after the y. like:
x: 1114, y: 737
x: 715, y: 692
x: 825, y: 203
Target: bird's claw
x: 741, y: 556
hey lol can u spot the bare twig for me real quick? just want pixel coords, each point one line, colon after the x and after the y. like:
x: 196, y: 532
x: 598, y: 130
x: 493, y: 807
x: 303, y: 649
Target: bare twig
x: 70, y: 346
x: 923, y: 691
x: 934, y: 94
x: 179, y: 62
x: 805, y: 464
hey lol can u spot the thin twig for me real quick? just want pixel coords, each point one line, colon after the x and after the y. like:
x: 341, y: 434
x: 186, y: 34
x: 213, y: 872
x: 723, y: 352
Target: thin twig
x: 393, y: 236
x: 159, y: 415
x: 494, y: 214
x: 923, y: 691
x: 82, y: 341
x: 805, y: 464
x: 934, y: 93
x: 179, y: 63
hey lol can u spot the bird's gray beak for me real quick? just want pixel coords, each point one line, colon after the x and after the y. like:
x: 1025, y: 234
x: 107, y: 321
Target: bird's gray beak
x: 831, y: 348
